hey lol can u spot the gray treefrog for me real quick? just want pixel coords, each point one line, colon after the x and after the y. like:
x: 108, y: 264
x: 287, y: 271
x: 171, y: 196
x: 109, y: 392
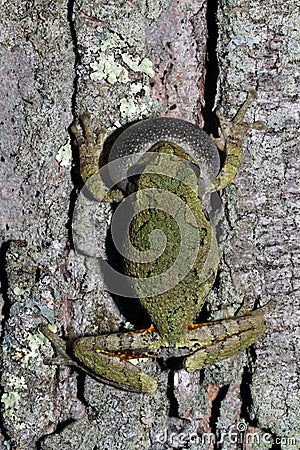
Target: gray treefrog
x: 178, y: 157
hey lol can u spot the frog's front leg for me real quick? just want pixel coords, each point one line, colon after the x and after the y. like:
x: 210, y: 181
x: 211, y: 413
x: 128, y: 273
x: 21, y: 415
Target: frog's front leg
x: 90, y: 147
x: 222, y: 339
x: 231, y: 140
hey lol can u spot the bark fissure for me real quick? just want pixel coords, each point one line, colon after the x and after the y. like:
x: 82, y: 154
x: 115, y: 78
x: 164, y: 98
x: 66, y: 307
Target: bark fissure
x: 212, y: 68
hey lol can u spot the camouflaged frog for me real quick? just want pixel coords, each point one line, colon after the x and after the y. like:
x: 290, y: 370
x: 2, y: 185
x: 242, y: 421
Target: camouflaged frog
x: 178, y: 161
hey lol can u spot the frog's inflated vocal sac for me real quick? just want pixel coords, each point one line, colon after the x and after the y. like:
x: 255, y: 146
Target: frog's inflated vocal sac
x: 178, y: 157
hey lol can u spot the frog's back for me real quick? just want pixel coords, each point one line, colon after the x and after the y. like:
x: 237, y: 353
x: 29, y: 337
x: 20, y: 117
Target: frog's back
x: 176, y: 243
x: 172, y: 311
x: 180, y: 278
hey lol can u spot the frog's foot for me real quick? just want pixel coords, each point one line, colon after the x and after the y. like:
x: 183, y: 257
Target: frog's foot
x: 60, y: 346
x: 215, y: 341
x: 231, y: 140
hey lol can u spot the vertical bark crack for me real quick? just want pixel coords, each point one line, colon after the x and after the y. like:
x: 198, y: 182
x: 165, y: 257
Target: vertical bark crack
x: 75, y: 171
x: 71, y: 21
x: 212, y: 68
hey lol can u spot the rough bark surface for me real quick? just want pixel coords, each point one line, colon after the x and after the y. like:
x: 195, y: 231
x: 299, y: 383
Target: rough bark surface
x: 123, y: 61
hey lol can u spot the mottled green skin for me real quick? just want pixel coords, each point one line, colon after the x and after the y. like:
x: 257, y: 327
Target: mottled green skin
x: 171, y: 311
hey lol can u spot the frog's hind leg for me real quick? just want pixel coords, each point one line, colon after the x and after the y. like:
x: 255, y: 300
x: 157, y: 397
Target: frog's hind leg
x: 222, y: 339
x: 114, y: 370
x: 106, y: 367
x: 231, y: 141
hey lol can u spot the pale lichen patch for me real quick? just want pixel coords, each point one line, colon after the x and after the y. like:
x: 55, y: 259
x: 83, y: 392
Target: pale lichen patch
x: 64, y: 155
x: 137, y: 65
x: 11, y: 403
x: 108, y: 69
x: 114, y: 67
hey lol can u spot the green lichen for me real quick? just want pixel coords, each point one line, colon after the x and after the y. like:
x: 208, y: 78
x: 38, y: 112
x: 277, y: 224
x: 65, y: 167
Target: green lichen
x: 138, y: 87
x: 132, y: 106
x: 108, y: 69
x: 15, y: 382
x: 64, y: 156
x: 128, y: 107
x: 52, y: 328
x: 111, y: 43
x: 11, y: 398
x: 128, y: 326
x: 35, y: 344
x: 112, y: 66
x: 137, y: 65
x: 19, y: 290
x: 11, y: 403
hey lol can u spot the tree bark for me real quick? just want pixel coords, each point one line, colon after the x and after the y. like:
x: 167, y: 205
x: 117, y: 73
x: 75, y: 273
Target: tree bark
x: 124, y: 61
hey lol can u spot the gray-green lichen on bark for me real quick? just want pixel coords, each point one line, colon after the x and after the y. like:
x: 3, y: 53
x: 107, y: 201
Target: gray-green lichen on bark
x: 118, y: 47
